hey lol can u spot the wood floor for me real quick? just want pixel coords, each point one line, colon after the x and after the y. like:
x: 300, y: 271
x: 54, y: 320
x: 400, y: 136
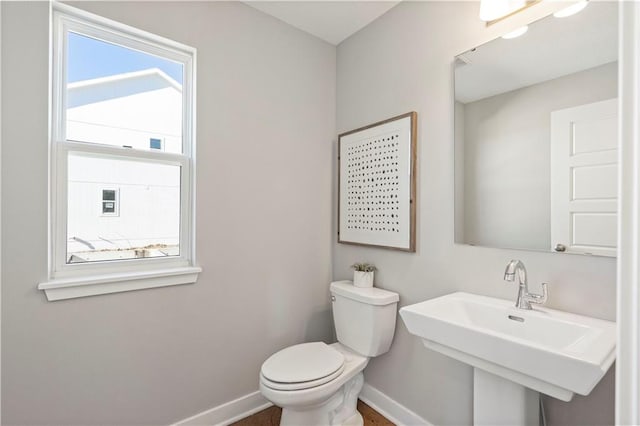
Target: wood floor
x: 271, y: 417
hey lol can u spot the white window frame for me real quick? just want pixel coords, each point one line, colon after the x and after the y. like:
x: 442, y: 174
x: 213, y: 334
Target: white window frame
x: 92, y: 278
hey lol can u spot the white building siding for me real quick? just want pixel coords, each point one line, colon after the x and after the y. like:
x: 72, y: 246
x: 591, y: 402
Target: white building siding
x: 124, y: 112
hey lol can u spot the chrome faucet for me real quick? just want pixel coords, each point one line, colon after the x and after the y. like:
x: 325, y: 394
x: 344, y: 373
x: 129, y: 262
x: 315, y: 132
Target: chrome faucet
x: 525, y: 299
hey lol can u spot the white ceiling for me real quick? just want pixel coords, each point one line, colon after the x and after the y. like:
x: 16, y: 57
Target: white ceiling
x: 332, y: 21
x: 553, y: 47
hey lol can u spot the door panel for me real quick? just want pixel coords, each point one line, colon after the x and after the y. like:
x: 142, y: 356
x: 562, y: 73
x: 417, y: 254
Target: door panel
x: 588, y: 229
x: 595, y: 182
x: 593, y: 136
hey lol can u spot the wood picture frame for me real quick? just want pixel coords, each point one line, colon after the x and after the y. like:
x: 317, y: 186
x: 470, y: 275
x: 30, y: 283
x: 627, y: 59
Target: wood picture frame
x: 377, y: 184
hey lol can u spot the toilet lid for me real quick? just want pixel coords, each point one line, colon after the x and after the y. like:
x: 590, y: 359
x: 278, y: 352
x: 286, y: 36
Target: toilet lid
x: 302, y: 363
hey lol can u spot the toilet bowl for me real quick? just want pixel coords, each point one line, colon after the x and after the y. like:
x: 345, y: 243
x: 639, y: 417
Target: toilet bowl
x: 318, y: 384
x: 328, y: 400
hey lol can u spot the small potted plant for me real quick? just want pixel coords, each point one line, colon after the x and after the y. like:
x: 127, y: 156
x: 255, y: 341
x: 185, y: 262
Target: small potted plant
x: 363, y: 274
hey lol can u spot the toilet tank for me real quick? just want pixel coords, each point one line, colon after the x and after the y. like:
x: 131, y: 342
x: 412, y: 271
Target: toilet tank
x: 365, y: 318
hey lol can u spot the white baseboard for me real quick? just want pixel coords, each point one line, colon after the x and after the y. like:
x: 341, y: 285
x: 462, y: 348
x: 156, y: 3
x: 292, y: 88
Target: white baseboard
x: 392, y: 410
x: 228, y: 413
x: 247, y: 405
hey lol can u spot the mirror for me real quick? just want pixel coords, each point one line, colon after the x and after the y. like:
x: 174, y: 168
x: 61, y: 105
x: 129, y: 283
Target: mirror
x: 536, y: 137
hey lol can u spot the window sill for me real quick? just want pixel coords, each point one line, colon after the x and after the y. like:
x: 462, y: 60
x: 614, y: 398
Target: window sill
x: 70, y: 288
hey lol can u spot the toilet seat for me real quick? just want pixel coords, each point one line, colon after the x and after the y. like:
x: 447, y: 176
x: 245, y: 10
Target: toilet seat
x: 302, y: 366
x: 301, y: 385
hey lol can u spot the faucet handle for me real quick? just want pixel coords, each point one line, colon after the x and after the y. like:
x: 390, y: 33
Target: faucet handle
x: 539, y: 299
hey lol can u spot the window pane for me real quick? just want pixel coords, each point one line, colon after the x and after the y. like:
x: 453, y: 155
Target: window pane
x: 108, y: 207
x: 155, y: 143
x: 142, y: 220
x: 108, y: 194
x: 123, y: 97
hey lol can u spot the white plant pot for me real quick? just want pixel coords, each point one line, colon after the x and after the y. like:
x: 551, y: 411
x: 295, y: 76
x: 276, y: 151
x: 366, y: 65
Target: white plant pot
x: 363, y: 279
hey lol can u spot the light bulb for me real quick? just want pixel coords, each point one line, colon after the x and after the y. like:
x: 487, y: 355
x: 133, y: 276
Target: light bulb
x: 571, y: 10
x: 490, y: 10
x: 515, y: 33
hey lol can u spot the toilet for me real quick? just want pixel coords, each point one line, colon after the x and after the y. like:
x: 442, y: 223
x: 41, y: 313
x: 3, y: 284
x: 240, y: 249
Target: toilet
x: 318, y: 384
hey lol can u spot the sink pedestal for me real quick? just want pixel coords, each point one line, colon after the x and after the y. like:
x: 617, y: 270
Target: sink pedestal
x: 498, y: 401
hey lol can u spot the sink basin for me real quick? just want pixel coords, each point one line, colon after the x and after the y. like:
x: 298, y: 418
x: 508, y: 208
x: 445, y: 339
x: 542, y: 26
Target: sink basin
x: 549, y: 351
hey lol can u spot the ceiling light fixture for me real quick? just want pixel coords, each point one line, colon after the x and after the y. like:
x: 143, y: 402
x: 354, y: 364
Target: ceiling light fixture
x: 490, y: 10
x: 571, y: 10
x: 515, y: 33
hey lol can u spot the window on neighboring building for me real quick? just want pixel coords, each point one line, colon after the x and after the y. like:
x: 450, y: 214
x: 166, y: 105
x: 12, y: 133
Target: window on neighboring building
x: 155, y: 143
x: 116, y: 89
x: 110, y: 202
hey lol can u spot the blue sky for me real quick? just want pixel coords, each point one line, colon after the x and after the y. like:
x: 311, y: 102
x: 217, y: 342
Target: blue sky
x: 91, y: 58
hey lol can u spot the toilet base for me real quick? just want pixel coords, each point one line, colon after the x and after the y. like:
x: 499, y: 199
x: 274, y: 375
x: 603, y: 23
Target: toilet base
x: 339, y: 410
x: 355, y: 420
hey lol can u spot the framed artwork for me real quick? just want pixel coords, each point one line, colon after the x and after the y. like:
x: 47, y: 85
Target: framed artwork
x: 377, y: 184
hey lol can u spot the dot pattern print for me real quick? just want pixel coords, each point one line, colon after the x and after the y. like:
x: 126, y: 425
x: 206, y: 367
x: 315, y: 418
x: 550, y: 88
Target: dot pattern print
x: 373, y: 184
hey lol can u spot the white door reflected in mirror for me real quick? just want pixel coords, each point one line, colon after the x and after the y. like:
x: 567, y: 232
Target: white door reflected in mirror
x: 584, y: 169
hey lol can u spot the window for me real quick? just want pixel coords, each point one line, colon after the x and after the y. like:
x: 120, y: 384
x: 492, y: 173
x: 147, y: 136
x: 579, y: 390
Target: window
x: 109, y: 202
x: 122, y: 139
x: 155, y: 143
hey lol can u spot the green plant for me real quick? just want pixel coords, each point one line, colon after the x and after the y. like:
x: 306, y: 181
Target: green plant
x: 363, y: 267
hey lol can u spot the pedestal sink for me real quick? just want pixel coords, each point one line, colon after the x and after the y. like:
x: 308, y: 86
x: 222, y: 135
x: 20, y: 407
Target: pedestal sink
x: 515, y: 353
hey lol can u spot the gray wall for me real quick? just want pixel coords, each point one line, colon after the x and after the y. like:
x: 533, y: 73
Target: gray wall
x: 402, y: 62
x: 266, y: 97
x: 507, y: 199
x: 266, y: 122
